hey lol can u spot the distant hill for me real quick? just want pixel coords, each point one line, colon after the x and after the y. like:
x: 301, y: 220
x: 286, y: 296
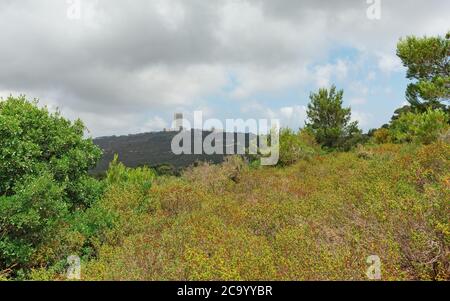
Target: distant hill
x: 154, y: 149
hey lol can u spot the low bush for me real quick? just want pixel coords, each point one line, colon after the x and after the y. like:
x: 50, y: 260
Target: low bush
x: 177, y: 196
x: 216, y: 178
x: 382, y: 136
x: 296, y: 146
x: 422, y: 128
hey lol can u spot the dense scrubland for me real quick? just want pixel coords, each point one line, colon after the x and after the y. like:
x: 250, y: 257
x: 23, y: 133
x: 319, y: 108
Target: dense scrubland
x: 336, y: 197
x: 317, y: 219
x: 318, y: 216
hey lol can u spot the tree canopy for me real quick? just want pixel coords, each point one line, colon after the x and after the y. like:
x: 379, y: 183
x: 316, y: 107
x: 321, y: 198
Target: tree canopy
x: 329, y: 121
x: 427, y: 60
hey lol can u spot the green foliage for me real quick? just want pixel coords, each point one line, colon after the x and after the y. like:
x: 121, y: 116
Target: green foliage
x: 318, y: 219
x: 29, y: 219
x: 419, y: 128
x: 330, y: 122
x: 296, y: 146
x: 400, y: 111
x: 166, y: 170
x: 140, y: 180
x: 428, y: 63
x: 119, y: 174
x: 44, y: 160
x: 34, y: 141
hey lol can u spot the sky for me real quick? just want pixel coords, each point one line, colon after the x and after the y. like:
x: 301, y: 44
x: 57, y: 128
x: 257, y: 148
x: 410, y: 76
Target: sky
x: 126, y: 67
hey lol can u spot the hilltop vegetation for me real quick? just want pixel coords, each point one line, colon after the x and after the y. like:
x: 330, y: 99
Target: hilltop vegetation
x: 154, y: 150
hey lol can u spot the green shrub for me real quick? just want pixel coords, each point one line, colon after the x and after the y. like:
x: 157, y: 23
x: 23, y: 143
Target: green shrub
x: 363, y: 153
x: 136, y: 181
x: 296, y: 146
x: 166, y: 170
x: 34, y: 141
x: 89, y: 227
x: 177, y: 196
x: 422, y: 128
x: 29, y: 220
x: 119, y: 174
x: 44, y: 162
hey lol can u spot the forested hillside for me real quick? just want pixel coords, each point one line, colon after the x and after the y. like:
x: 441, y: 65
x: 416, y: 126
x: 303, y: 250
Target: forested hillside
x: 154, y: 150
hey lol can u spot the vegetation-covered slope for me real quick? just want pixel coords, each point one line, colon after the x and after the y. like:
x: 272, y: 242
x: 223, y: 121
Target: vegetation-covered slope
x: 317, y: 219
x: 154, y: 150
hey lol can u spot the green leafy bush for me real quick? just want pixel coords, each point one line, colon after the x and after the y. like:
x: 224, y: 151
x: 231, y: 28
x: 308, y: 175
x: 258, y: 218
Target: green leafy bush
x: 29, y: 219
x: 422, y: 128
x: 296, y: 146
x: 119, y: 174
x: 166, y: 170
x: 44, y: 161
x: 132, y: 180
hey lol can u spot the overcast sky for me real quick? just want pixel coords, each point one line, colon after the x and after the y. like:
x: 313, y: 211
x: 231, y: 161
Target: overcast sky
x: 127, y: 66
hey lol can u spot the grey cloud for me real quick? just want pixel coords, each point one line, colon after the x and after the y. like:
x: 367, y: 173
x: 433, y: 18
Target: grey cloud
x: 131, y: 57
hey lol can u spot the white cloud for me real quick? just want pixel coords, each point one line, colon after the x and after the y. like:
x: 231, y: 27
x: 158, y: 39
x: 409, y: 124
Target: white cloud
x: 289, y: 116
x: 323, y: 76
x: 154, y: 124
x: 287, y: 111
x: 358, y: 101
x: 359, y: 87
x: 363, y: 118
x: 254, y: 79
x: 389, y: 63
x: 341, y: 69
x: 325, y: 73
x: 294, y: 116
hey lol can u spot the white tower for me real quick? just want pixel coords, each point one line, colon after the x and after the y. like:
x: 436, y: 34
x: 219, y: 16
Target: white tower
x: 178, y: 122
